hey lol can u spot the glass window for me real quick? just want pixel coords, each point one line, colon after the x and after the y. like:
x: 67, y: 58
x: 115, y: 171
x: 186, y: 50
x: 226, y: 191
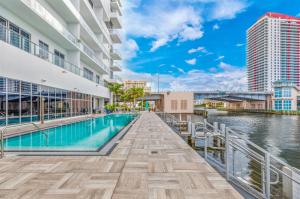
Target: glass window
x: 43, y: 50
x: 52, y: 92
x: 287, y: 92
x: 25, y: 88
x: 35, y: 89
x: 287, y: 104
x: 278, y: 105
x: 44, y: 91
x: 278, y: 92
x: 59, y: 58
x: 87, y: 74
x: 46, y: 102
x: 13, y: 86
x: 25, y: 44
x: 14, y: 35
x: 52, y: 110
x: 2, y: 109
x: 97, y: 79
x: 2, y: 84
x: 13, y: 111
x: 25, y: 108
x: 3, y: 29
x: 35, y: 108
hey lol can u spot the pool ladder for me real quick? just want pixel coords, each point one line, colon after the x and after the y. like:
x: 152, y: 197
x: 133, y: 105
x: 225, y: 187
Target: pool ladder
x: 4, y: 130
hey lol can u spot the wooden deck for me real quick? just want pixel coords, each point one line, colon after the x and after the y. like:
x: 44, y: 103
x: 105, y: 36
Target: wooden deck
x: 151, y: 161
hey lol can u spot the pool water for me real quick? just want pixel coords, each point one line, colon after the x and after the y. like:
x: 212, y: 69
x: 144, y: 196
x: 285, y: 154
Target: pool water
x: 89, y: 135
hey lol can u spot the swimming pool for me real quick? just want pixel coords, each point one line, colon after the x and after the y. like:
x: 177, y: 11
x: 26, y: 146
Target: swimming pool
x: 89, y: 135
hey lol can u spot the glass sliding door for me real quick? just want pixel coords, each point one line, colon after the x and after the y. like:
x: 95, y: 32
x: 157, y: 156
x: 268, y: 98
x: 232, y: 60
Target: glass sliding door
x: 59, y: 58
x: 13, y: 110
x: 43, y: 50
x: 25, y: 41
x: 13, y: 101
x: 45, y: 101
x: 14, y: 35
x: 35, y: 108
x: 25, y: 102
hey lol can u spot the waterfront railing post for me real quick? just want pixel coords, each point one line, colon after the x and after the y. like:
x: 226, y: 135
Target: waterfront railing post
x: 267, y: 176
x: 227, y: 153
x: 222, y: 128
x: 205, y: 145
x: 215, y: 127
x: 193, y: 129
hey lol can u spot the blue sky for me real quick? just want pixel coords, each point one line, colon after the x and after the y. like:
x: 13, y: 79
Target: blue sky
x: 194, y: 44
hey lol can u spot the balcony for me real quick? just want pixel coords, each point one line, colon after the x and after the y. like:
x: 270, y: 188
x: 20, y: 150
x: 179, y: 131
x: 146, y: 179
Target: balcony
x: 115, y: 55
x: 16, y: 40
x: 91, y: 55
x: 93, y: 19
x: 116, y: 6
x: 115, y: 20
x: 115, y: 67
x: 115, y: 36
x: 45, y: 19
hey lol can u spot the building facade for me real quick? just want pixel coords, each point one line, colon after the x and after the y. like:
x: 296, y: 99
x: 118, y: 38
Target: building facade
x: 127, y: 84
x: 56, y: 57
x: 273, y: 51
x: 285, y: 96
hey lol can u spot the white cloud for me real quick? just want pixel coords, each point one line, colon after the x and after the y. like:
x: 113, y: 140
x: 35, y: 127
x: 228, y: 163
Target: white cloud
x: 197, y: 80
x: 162, y: 23
x: 231, y: 79
x: 129, y: 49
x: 216, y: 27
x: 179, y: 69
x: 191, y: 61
x: 239, y: 45
x: 199, y: 49
x: 227, y: 67
x: 220, y: 58
x: 227, y: 9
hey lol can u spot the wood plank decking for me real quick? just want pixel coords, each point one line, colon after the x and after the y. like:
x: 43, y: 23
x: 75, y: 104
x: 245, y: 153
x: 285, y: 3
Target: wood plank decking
x: 151, y: 161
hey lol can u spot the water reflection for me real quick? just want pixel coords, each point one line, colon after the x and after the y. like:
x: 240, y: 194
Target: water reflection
x: 279, y: 134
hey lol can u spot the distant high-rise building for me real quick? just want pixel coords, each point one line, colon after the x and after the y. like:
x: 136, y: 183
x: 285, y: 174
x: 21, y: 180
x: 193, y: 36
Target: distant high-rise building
x: 273, y: 51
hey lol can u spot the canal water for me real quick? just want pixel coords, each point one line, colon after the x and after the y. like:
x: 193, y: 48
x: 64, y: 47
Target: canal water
x: 279, y: 134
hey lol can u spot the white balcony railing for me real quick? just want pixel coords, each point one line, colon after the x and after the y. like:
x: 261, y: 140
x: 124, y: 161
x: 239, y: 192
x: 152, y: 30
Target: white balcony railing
x: 36, y: 7
x: 115, y: 54
x: 23, y: 43
x: 115, y: 36
x: 92, y: 55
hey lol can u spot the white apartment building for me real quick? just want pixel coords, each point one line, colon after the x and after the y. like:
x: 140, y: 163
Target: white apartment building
x: 56, y: 57
x: 273, y: 51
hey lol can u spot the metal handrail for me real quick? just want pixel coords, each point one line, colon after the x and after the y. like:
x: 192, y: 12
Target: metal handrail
x: 4, y: 130
x: 271, y: 169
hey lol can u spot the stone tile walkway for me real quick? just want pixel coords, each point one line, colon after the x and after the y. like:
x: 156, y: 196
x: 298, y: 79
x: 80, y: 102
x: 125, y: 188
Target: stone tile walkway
x: 151, y: 161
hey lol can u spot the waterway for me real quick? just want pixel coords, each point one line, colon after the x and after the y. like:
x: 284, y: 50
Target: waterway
x: 279, y: 134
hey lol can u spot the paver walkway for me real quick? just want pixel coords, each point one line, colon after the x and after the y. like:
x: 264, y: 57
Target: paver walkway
x: 151, y: 161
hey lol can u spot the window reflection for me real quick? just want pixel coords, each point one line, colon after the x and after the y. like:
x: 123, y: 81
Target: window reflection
x: 22, y: 102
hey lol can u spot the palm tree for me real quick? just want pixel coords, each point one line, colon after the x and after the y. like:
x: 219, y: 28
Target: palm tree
x: 116, y: 89
x: 135, y: 93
